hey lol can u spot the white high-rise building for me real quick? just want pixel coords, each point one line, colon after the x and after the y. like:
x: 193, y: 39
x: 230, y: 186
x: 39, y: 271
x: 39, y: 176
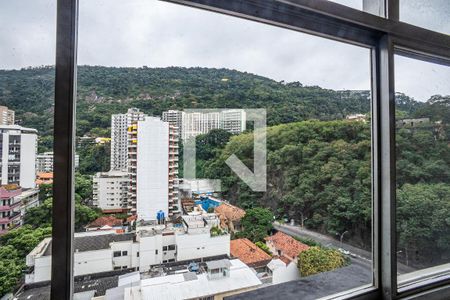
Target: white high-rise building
x: 119, y: 137
x: 153, y: 169
x: 18, y: 156
x: 233, y: 120
x: 192, y: 123
x: 110, y: 190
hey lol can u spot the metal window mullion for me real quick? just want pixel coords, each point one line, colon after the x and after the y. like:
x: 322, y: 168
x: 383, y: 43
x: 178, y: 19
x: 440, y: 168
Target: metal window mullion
x: 387, y: 168
x: 393, y: 10
x: 64, y: 133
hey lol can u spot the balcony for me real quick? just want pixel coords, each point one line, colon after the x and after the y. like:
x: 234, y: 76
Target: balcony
x: 4, y: 220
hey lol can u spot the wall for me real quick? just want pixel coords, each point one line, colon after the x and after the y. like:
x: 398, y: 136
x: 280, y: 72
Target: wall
x: 284, y: 274
x: 28, y: 160
x: 190, y: 246
x: 152, y: 168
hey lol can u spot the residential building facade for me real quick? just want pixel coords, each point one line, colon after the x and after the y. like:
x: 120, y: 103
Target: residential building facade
x: 110, y: 190
x: 152, y: 245
x: 14, y: 202
x: 18, y: 155
x: 153, y: 169
x: 44, y: 162
x: 119, y: 137
x: 7, y: 116
x: 193, y: 123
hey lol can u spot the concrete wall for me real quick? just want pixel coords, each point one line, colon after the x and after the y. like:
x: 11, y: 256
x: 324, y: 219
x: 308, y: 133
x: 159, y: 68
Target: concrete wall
x: 284, y: 274
x: 190, y: 246
x: 152, y: 168
x: 28, y: 160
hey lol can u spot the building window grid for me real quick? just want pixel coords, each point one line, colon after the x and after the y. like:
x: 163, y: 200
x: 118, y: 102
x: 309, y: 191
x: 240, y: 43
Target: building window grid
x: 383, y: 125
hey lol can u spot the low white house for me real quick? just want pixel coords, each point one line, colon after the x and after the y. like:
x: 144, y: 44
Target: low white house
x: 153, y: 244
x: 282, y: 270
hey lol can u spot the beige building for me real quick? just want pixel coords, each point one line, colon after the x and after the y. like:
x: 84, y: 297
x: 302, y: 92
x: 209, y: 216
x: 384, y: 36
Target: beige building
x: 6, y: 116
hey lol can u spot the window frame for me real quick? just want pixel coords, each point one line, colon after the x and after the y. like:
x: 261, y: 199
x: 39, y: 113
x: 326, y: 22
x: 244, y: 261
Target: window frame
x: 383, y: 36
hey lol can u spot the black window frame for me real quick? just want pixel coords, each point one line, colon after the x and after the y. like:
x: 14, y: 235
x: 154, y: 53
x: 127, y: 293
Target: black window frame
x: 383, y: 35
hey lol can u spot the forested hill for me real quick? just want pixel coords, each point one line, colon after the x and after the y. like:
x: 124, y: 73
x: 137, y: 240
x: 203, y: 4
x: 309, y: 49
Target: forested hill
x: 103, y: 91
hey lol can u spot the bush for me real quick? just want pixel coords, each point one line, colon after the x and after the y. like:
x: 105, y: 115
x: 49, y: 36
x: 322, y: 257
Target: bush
x: 263, y: 247
x: 317, y: 260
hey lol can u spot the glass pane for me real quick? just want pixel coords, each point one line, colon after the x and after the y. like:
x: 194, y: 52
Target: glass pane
x: 168, y: 80
x: 431, y: 14
x: 423, y: 166
x: 357, y: 4
x: 27, y: 51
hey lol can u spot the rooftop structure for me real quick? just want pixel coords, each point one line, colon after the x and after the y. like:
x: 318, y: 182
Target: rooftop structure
x: 221, y: 278
x: 230, y: 216
x: 44, y: 178
x: 284, y: 245
x: 249, y: 253
x: 105, y: 223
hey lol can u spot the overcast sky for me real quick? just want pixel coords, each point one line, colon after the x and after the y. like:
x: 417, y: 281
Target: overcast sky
x: 158, y: 34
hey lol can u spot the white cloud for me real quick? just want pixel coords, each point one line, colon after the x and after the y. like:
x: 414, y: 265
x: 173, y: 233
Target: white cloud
x: 159, y: 34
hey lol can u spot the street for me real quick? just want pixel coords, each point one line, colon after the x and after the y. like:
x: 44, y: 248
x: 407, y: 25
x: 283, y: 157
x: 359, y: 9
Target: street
x: 357, y: 255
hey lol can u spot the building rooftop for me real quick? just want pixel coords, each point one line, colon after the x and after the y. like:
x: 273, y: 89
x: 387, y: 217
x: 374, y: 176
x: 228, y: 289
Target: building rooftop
x: 231, y: 212
x: 312, y: 287
x: 81, y: 288
x: 94, y: 242
x: 218, y: 264
x: 287, y: 244
x: 110, y: 221
x: 248, y: 252
x: 179, y: 286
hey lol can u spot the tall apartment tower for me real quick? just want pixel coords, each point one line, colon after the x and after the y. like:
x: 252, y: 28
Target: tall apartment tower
x: 18, y: 155
x: 153, y: 169
x: 174, y: 118
x: 119, y: 136
x: 6, y: 116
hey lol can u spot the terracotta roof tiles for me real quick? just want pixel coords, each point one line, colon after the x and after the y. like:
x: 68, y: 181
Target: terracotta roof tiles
x: 289, y: 246
x: 248, y: 252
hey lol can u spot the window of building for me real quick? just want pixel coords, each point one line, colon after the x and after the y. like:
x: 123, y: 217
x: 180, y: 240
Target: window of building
x: 117, y: 253
x: 124, y: 253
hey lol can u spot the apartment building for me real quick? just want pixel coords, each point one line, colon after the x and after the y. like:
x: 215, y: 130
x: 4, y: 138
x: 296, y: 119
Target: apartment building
x: 193, y: 123
x: 119, y: 137
x: 110, y: 190
x: 14, y: 202
x: 7, y: 116
x: 153, y: 168
x: 18, y: 155
x: 174, y: 118
x: 152, y: 245
x: 44, y: 162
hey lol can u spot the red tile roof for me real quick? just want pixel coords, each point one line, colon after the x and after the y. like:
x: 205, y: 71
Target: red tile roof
x: 105, y: 221
x: 248, y: 252
x: 289, y: 246
x: 231, y: 212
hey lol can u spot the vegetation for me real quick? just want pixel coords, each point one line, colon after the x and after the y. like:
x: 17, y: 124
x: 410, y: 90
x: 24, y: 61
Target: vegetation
x: 216, y: 231
x: 321, y: 171
x: 256, y: 224
x: 317, y: 260
x: 14, y: 246
x: 263, y: 247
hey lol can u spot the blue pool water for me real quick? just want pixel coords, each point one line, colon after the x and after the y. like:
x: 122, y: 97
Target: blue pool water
x: 207, y: 202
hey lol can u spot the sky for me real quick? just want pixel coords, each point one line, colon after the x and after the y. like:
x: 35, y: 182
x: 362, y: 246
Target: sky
x: 135, y: 33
